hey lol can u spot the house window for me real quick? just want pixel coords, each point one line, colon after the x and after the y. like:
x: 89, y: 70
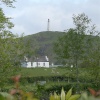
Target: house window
x: 43, y: 64
x: 31, y: 63
x: 37, y: 64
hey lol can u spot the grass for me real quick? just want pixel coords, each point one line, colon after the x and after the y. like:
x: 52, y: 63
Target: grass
x: 70, y: 73
x: 36, y: 72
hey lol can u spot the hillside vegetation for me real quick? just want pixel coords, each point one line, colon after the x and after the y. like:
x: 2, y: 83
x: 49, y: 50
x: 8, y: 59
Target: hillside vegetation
x: 42, y: 43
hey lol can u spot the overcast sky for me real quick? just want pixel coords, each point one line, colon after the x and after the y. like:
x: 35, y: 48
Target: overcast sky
x: 30, y: 16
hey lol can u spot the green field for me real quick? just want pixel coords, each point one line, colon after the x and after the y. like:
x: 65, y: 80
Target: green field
x: 54, y: 78
x: 35, y: 72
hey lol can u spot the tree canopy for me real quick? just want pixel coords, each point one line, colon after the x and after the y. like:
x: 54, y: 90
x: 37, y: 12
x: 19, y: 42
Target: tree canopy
x: 8, y: 3
x: 76, y: 43
x: 11, y: 47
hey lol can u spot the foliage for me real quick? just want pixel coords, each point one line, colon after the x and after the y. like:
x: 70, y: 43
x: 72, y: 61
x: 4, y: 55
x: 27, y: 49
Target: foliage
x: 95, y: 95
x: 11, y: 47
x: 64, y: 96
x: 10, y: 51
x: 43, y: 43
x: 77, y: 42
x: 54, y: 81
x: 18, y: 94
x: 80, y: 44
x: 8, y: 3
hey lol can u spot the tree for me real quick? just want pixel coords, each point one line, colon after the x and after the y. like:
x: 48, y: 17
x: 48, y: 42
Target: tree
x: 8, y: 3
x: 11, y: 46
x: 77, y: 44
x: 72, y: 44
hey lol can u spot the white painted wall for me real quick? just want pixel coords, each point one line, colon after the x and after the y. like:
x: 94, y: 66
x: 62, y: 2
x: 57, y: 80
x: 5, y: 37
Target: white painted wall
x: 34, y: 64
x: 28, y: 64
x: 42, y: 64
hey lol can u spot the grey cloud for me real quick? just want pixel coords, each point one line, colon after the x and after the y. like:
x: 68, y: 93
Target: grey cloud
x: 31, y: 16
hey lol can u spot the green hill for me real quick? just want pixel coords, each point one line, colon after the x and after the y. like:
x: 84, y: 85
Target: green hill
x: 43, y: 42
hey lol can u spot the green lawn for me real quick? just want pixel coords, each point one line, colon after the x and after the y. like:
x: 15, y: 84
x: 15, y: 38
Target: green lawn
x: 52, y: 77
x: 35, y: 72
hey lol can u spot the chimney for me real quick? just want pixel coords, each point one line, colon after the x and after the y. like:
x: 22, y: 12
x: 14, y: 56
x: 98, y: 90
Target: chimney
x: 47, y: 59
x: 25, y: 58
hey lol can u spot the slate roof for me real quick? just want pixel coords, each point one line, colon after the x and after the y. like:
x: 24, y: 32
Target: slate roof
x: 41, y: 59
x: 36, y: 59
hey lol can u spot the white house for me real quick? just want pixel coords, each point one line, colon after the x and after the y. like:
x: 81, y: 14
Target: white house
x: 37, y: 62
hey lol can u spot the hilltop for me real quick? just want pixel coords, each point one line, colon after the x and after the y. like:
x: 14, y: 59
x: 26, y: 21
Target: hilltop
x: 43, y: 43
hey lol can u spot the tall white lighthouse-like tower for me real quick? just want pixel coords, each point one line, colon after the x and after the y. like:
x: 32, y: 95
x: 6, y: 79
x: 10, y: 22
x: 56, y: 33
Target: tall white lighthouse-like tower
x: 48, y: 25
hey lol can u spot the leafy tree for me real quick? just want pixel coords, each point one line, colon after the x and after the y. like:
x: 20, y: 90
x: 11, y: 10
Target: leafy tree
x: 11, y: 46
x: 72, y: 45
x: 78, y: 43
x: 8, y: 3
